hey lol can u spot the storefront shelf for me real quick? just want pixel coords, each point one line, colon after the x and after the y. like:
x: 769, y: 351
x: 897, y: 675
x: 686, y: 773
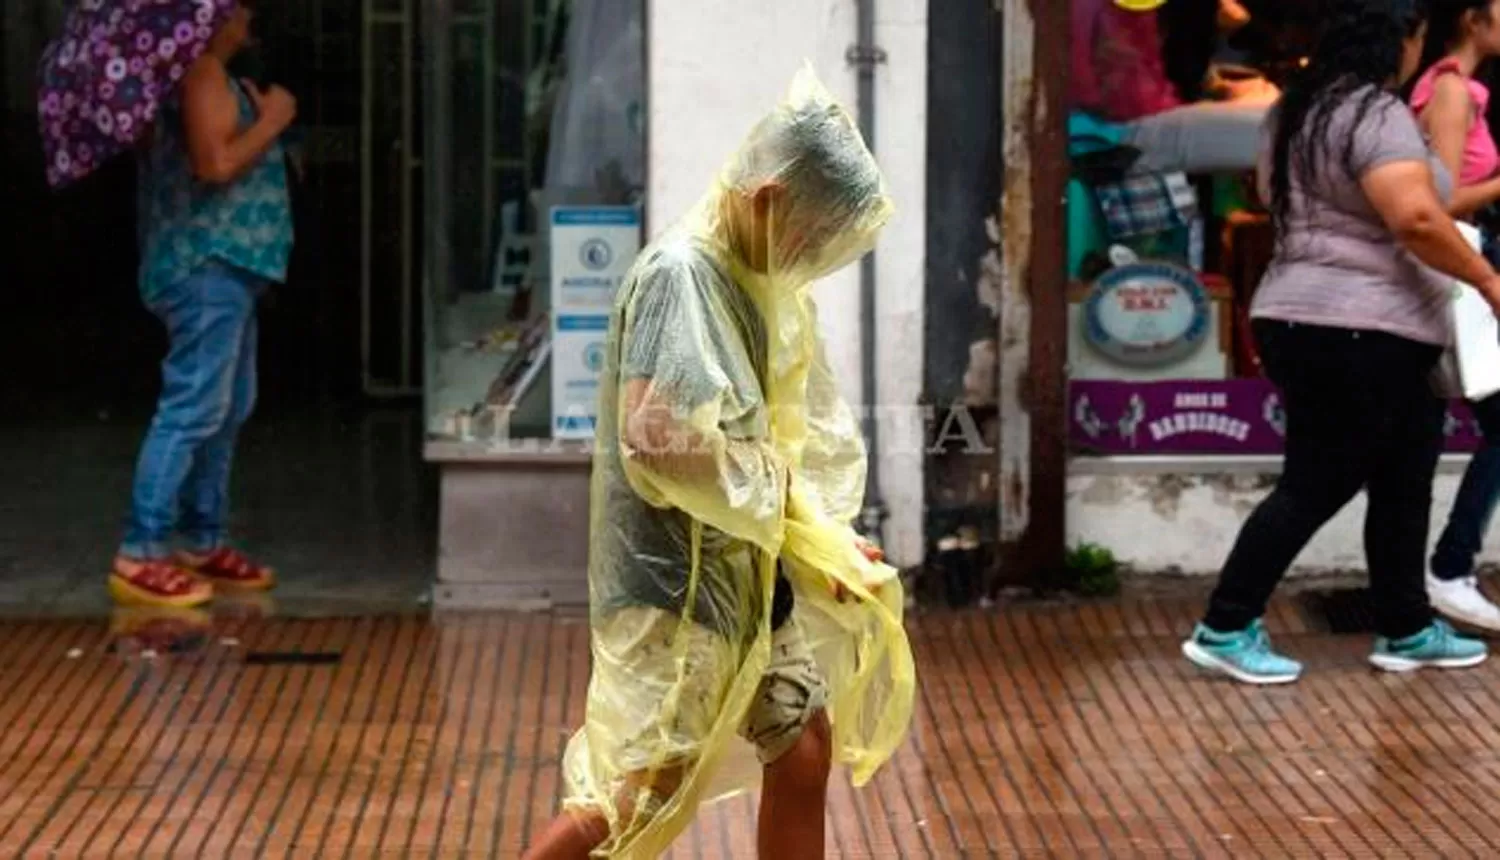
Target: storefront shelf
x: 523, y: 452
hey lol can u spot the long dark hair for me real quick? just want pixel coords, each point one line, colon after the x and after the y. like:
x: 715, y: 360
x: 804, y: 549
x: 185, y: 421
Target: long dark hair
x: 1357, y: 55
x: 1445, y: 20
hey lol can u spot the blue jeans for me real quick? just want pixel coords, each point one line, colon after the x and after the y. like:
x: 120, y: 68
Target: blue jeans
x: 208, y: 391
x: 1474, y: 507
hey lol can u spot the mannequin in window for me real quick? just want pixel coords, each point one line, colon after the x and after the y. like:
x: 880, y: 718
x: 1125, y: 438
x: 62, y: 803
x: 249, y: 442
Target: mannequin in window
x: 1121, y: 74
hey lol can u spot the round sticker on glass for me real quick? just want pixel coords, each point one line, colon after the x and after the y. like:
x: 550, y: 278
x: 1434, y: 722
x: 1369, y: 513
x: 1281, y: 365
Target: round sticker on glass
x: 593, y: 357
x: 596, y: 255
x: 1147, y: 314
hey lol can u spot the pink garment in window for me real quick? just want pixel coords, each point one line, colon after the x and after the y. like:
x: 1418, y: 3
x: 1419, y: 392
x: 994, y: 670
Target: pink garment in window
x: 1117, y: 68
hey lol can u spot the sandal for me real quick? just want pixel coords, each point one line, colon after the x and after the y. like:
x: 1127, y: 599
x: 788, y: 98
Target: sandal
x: 229, y: 570
x: 157, y: 583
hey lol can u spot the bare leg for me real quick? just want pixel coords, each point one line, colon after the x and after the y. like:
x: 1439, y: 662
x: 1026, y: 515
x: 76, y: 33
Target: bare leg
x: 575, y: 835
x: 570, y: 836
x: 794, y: 797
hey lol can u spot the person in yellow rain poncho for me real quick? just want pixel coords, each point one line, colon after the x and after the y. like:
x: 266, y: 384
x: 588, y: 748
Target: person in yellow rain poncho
x: 742, y: 632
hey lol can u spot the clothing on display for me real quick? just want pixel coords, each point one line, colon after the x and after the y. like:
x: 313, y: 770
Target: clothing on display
x: 597, y: 141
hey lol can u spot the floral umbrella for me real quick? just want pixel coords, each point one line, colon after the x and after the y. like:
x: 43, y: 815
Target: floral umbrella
x: 103, y: 81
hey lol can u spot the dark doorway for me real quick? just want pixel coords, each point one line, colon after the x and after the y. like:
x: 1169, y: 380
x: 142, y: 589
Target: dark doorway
x: 80, y: 376
x: 70, y: 310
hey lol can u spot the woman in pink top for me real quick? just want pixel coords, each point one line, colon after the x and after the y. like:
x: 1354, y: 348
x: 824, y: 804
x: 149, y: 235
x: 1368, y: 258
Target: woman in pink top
x: 1462, y: 36
x: 1452, y: 104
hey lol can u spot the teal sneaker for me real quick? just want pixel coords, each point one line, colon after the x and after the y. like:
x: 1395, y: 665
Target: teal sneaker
x: 1245, y: 656
x: 1437, y: 647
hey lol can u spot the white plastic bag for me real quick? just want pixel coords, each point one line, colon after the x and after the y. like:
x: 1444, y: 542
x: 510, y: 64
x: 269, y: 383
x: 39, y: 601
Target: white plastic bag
x: 1472, y: 365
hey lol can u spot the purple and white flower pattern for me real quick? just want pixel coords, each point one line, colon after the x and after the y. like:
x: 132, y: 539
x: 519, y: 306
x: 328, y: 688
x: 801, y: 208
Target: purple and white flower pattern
x: 99, y: 88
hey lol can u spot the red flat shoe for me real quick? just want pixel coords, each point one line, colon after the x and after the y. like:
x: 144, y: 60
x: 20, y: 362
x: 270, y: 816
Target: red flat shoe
x: 157, y: 583
x: 229, y: 570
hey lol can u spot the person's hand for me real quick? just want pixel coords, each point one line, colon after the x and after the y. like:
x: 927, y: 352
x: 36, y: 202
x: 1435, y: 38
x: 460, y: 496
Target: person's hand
x: 1254, y: 91
x: 873, y: 554
x: 841, y: 592
x: 1232, y: 16
x: 274, y: 105
x: 1233, y: 84
x: 1491, y: 292
x: 870, y: 551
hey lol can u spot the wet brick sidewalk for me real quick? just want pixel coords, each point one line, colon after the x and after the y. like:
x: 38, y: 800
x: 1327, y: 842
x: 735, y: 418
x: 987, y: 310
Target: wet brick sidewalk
x: 1065, y: 731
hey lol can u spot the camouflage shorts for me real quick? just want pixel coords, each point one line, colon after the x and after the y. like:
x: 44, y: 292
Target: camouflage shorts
x: 675, y: 706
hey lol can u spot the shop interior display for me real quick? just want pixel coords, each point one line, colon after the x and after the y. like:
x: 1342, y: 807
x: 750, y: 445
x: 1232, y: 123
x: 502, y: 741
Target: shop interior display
x: 564, y: 83
x: 1164, y: 260
x: 1164, y: 263
x: 508, y: 406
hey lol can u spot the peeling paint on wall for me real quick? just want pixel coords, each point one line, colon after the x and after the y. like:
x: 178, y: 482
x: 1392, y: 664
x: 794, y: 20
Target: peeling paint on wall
x: 1018, y: 105
x: 1239, y: 493
x: 979, y: 378
x: 991, y: 273
x: 962, y: 289
x: 1104, y: 490
x: 1188, y: 522
x: 1165, y: 494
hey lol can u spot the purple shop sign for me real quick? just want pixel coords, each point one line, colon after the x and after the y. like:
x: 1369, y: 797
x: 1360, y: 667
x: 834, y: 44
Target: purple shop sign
x: 1236, y: 416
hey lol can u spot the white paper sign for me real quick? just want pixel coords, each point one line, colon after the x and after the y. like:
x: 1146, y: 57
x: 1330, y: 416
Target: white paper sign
x: 578, y: 344
x: 592, y: 250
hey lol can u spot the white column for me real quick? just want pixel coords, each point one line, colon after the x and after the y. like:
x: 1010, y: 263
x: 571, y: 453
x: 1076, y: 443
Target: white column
x: 901, y: 146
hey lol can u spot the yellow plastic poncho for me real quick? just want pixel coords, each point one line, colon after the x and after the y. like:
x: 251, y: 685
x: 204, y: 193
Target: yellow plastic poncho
x: 724, y: 455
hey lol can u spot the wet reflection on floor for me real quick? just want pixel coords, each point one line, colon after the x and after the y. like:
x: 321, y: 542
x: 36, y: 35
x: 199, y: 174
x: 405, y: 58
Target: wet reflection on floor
x: 340, y: 504
x: 1042, y: 731
x: 148, y: 632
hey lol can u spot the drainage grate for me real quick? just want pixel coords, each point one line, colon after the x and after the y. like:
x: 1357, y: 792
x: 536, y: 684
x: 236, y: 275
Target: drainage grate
x: 293, y: 658
x: 1341, y: 611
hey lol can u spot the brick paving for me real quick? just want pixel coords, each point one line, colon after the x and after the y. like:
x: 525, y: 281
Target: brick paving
x: 1043, y: 731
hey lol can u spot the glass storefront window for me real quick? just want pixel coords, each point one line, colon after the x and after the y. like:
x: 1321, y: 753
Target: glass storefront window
x: 533, y: 105
x: 1167, y: 239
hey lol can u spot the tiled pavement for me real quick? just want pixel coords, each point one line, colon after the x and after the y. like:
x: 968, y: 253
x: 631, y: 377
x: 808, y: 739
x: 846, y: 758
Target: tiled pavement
x: 1061, y: 731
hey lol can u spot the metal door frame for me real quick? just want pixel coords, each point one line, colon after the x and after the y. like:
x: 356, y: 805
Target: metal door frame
x: 405, y: 384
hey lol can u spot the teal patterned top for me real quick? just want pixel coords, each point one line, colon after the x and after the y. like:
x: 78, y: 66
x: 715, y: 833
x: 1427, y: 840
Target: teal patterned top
x: 186, y: 224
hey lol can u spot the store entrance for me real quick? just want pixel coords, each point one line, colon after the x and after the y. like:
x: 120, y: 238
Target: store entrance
x: 331, y: 488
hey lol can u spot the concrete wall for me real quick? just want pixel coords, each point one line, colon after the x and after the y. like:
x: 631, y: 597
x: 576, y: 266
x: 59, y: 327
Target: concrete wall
x: 1186, y: 522
x: 714, y: 68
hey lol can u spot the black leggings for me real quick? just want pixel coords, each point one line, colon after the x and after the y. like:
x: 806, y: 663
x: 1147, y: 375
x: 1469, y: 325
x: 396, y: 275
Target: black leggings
x: 1360, y: 415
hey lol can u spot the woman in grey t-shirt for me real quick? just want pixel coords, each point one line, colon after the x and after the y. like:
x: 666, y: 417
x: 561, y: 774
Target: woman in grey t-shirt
x: 1350, y: 320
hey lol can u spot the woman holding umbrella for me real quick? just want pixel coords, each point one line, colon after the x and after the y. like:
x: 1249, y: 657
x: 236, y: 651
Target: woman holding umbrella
x: 216, y: 229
